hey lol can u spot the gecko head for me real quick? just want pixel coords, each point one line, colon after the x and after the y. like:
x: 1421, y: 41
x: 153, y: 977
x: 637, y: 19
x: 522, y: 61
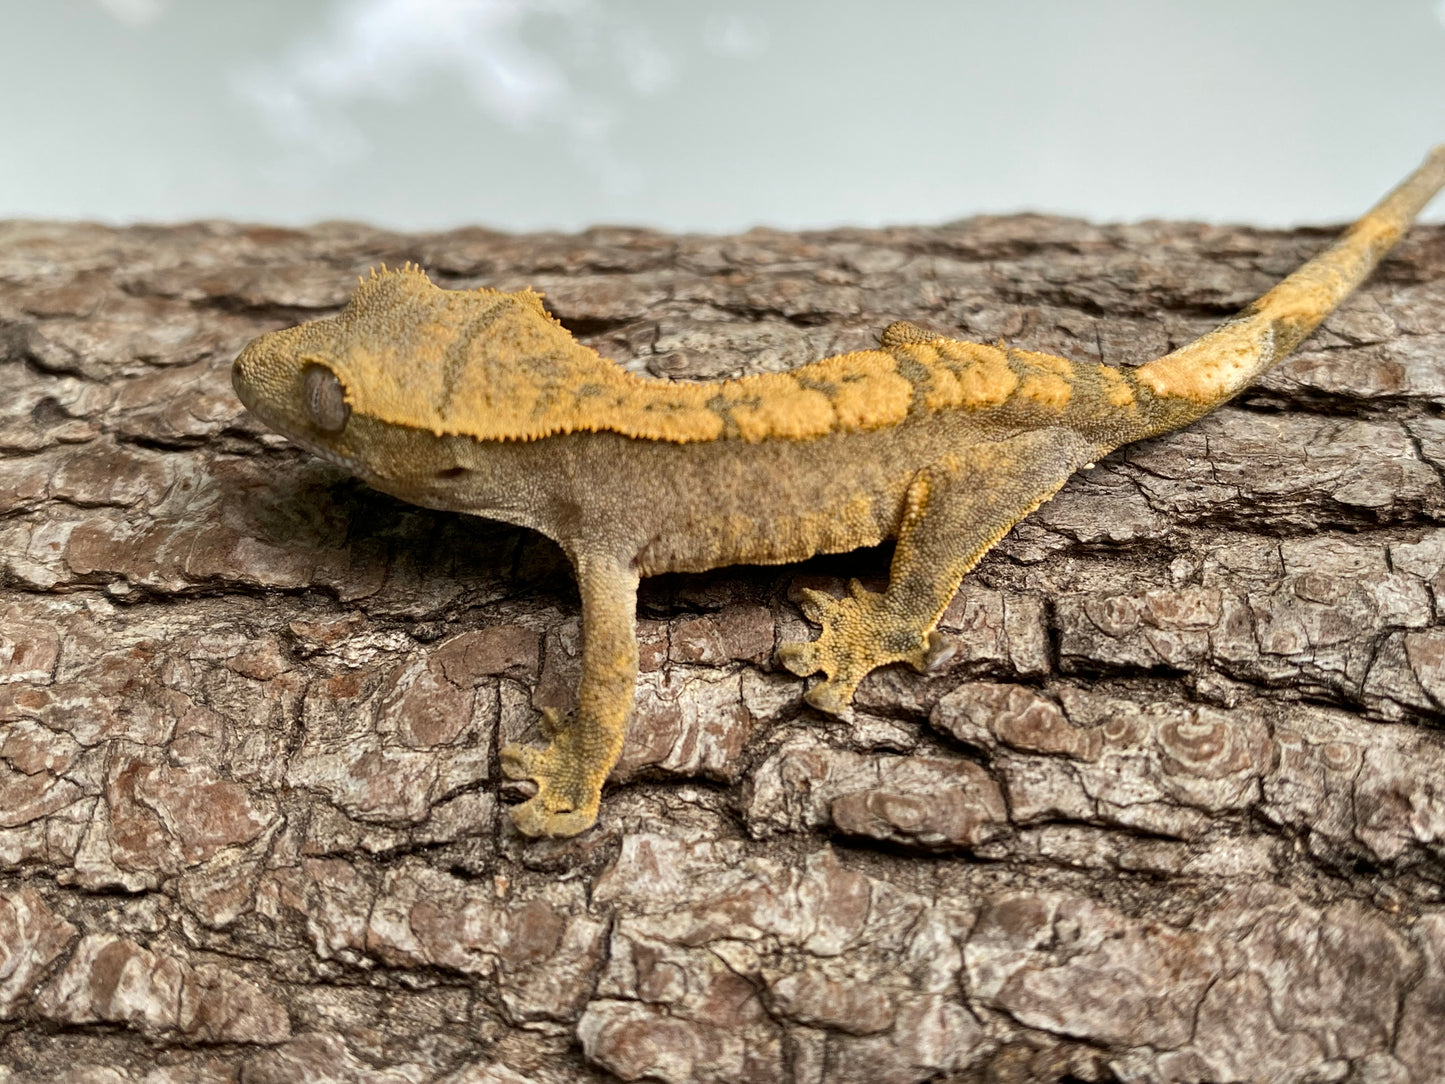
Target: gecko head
x: 288, y: 379
x: 408, y: 354
x: 302, y: 381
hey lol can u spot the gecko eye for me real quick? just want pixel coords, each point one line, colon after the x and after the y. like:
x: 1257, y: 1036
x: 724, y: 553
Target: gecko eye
x: 325, y: 399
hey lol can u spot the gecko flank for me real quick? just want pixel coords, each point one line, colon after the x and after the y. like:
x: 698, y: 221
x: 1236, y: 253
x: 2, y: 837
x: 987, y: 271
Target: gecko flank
x: 478, y: 401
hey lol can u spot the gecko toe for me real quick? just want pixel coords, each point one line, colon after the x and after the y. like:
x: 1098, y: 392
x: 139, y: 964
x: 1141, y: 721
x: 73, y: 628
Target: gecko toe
x: 551, y: 723
x: 832, y: 697
x: 935, y: 655
x: 817, y: 606
x: 535, y: 817
x: 520, y: 761
x: 799, y: 658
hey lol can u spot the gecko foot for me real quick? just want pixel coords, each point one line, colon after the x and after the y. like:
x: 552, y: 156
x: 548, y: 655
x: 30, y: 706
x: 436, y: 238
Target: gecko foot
x: 860, y: 633
x: 569, y: 783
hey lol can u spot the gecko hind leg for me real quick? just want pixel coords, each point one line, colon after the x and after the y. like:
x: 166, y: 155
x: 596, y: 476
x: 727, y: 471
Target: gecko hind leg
x: 582, y: 750
x: 953, y: 513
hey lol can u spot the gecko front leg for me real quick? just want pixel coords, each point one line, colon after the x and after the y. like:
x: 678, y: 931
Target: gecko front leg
x: 953, y: 513
x: 570, y: 771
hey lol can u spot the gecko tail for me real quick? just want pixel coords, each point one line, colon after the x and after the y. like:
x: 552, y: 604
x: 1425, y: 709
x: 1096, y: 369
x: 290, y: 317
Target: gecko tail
x: 1183, y: 385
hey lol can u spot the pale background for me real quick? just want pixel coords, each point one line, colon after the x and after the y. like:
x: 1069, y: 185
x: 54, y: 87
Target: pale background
x: 712, y: 116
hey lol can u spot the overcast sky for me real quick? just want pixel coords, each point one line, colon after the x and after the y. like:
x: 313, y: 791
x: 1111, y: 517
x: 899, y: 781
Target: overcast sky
x: 712, y: 116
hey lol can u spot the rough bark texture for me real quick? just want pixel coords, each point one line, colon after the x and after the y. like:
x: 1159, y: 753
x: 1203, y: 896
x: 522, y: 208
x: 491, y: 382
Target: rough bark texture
x: 1177, y: 813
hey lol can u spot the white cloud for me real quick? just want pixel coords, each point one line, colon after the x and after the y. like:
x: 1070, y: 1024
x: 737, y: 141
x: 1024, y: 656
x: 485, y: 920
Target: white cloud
x: 732, y: 33
x: 136, y: 12
x: 392, y: 49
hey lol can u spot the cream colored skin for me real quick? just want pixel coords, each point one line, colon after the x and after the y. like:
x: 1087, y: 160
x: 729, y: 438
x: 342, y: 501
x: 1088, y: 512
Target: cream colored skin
x: 478, y: 402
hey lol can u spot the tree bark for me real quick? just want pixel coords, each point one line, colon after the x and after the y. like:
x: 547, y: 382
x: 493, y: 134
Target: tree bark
x: 1176, y: 812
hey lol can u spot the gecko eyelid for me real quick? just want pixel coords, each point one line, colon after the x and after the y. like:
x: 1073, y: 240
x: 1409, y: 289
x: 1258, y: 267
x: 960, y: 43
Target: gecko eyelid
x: 325, y: 399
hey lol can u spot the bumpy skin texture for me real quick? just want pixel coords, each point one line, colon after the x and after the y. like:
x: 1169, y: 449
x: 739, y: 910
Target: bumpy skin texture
x: 479, y: 401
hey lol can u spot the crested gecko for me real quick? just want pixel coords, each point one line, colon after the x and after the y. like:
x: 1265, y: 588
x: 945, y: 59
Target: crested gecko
x: 479, y: 401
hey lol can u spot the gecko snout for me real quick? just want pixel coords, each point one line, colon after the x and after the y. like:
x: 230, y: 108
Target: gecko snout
x: 238, y: 377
